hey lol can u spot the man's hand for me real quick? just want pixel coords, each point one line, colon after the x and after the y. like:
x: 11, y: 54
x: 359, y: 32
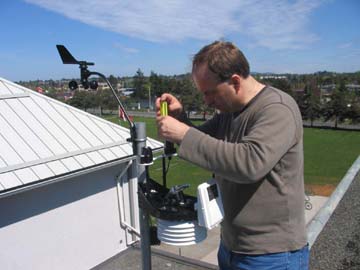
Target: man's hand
x: 171, y: 129
x: 175, y: 108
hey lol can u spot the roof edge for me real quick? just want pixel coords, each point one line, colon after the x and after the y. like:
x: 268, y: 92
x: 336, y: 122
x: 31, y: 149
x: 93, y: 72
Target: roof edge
x: 62, y: 177
x: 318, y: 223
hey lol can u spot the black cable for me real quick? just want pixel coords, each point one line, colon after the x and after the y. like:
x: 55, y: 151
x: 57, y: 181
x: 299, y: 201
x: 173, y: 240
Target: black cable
x: 147, y: 183
x: 168, y: 165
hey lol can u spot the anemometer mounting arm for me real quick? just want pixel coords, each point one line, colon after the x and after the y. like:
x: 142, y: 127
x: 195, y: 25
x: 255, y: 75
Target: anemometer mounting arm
x: 85, y: 73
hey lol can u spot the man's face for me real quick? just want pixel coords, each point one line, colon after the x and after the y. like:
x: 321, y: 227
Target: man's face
x: 219, y: 95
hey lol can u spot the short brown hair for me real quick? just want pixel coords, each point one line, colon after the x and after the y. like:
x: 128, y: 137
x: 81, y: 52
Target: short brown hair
x: 222, y: 58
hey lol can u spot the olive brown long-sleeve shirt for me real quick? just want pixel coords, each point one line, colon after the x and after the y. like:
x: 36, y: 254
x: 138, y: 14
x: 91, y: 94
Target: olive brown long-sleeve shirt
x: 257, y: 157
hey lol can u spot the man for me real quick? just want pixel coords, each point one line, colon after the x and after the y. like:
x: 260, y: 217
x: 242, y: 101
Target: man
x: 254, y: 146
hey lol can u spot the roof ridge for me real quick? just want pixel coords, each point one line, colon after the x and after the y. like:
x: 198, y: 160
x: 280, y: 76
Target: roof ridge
x: 33, y: 92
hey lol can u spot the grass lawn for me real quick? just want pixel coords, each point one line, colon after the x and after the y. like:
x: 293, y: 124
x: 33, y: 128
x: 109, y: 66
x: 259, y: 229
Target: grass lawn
x: 328, y: 155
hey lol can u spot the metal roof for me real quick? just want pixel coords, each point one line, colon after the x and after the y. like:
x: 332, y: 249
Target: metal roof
x: 42, y: 138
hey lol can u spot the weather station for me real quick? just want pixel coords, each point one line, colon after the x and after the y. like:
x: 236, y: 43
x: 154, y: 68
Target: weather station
x: 182, y: 219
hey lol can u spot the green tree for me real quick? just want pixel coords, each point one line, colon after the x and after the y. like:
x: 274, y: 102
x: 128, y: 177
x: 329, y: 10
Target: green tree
x: 190, y: 97
x: 82, y: 100
x: 353, y: 108
x: 106, y: 100
x: 140, y: 85
x: 282, y: 84
x: 310, y: 103
x: 157, y: 84
x: 51, y: 92
x: 113, y: 81
x: 336, y: 108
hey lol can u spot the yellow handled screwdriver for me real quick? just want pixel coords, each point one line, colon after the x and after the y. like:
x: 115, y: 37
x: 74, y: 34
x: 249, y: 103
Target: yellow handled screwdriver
x: 163, y: 108
x: 169, y: 146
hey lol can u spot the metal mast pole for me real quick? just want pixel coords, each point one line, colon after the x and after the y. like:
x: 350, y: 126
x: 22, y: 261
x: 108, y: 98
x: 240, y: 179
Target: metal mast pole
x: 140, y: 143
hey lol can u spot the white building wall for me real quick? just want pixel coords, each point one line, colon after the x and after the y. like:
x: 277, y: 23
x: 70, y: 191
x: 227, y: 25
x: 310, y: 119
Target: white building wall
x: 72, y: 224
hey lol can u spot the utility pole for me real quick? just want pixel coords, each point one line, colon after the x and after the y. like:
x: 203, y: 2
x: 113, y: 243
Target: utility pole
x: 149, y: 86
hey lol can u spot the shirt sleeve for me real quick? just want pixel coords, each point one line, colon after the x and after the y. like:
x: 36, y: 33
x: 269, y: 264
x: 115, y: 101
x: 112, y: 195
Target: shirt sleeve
x: 270, y: 136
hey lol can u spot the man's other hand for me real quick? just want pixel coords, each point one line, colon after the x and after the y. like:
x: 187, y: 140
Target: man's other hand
x: 171, y: 129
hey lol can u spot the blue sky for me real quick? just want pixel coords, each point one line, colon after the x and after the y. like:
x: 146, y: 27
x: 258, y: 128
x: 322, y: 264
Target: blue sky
x: 121, y: 36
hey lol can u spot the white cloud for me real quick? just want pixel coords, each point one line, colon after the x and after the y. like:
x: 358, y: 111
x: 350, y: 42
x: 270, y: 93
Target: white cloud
x: 125, y: 49
x: 276, y: 24
x: 345, y: 45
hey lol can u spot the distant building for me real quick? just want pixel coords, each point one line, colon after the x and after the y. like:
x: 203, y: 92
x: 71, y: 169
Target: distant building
x: 298, y: 93
x: 326, y: 90
x: 103, y: 86
x: 353, y: 87
x: 68, y: 95
x: 126, y: 91
x: 276, y: 77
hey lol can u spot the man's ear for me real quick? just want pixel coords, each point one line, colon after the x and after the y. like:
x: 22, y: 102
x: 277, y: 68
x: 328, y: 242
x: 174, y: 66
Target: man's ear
x: 236, y: 81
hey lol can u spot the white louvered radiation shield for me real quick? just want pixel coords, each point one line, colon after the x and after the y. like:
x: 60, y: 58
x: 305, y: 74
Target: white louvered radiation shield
x: 180, y: 233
